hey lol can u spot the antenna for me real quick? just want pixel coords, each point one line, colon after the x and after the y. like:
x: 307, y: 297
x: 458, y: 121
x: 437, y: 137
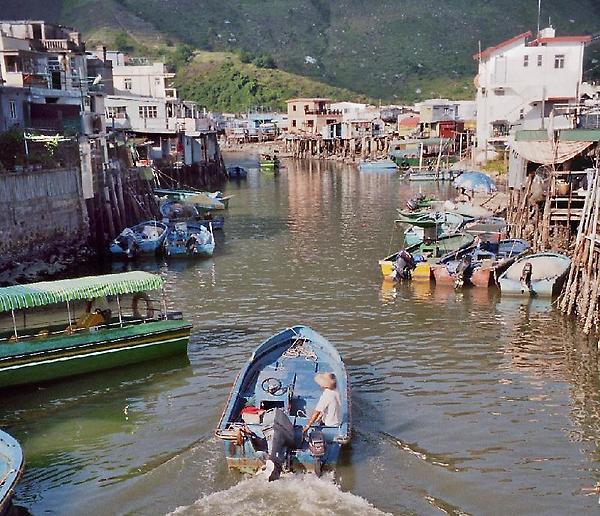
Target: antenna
x: 539, y: 16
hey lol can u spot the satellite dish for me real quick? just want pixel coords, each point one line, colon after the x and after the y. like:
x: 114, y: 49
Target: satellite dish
x: 97, y: 80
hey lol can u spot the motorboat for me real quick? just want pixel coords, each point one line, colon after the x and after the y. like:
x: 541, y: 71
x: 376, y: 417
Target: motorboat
x: 272, y: 400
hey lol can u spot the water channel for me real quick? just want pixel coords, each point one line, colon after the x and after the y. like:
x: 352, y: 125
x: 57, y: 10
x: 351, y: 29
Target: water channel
x: 464, y: 402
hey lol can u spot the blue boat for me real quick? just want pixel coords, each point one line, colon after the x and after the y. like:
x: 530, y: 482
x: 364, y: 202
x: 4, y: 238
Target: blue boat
x: 189, y: 239
x: 272, y: 400
x: 175, y: 211
x: 12, y: 464
x: 146, y: 238
x: 236, y: 173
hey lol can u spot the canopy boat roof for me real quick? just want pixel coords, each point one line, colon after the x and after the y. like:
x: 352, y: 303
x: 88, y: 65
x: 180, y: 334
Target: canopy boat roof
x: 89, y: 287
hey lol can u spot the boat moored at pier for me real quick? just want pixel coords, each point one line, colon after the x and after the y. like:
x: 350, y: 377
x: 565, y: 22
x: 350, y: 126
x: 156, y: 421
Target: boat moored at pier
x: 540, y: 274
x: 190, y: 239
x: 54, y: 329
x: 146, y: 238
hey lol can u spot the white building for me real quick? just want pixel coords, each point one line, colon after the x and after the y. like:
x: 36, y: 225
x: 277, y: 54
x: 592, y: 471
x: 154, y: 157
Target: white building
x: 356, y: 110
x: 520, y: 80
x: 144, y: 105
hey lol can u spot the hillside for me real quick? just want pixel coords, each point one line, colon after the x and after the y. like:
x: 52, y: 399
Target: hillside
x: 220, y: 81
x: 400, y: 50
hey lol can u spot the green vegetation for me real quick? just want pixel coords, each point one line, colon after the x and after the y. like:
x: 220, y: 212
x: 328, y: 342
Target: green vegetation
x: 222, y: 81
x: 394, y: 51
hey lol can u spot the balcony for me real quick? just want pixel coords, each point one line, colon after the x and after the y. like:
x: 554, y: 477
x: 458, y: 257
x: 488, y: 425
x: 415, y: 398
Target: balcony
x: 324, y: 112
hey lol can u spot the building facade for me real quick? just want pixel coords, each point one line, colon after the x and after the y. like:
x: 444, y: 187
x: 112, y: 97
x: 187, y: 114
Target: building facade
x: 44, y: 77
x: 520, y: 81
x: 308, y: 116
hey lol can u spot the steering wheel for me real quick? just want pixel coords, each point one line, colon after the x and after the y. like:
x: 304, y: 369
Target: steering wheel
x: 273, y: 386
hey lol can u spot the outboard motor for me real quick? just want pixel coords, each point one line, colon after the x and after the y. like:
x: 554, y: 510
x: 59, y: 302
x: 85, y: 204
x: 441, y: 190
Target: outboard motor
x: 412, y: 205
x: 279, y: 434
x: 526, y: 278
x: 404, y: 265
x: 316, y: 446
x: 462, y: 271
x: 191, y: 244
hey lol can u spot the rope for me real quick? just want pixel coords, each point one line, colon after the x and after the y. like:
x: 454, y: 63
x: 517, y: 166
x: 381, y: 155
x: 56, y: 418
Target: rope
x: 297, y: 350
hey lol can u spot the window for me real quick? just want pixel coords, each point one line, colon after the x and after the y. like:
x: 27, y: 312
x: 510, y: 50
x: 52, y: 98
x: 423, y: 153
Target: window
x: 559, y: 61
x: 310, y: 123
x: 13, y: 109
x: 127, y: 83
x: 116, y: 112
x: 148, y: 111
x: 13, y: 64
x: 525, y: 61
x: 539, y: 61
x: 294, y: 107
x: 294, y: 122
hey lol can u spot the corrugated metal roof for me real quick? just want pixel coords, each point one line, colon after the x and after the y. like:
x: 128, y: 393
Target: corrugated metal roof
x: 580, y: 135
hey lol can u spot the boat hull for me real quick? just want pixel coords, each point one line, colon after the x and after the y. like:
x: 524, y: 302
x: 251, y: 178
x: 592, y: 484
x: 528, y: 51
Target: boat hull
x: 34, y: 361
x: 549, y: 271
x: 12, y: 464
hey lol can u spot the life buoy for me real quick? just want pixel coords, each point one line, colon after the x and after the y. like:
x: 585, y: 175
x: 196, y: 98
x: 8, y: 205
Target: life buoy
x: 135, y: 305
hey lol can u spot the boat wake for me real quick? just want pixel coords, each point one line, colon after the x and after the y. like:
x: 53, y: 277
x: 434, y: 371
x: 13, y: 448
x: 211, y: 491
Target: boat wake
x: 298, y: 494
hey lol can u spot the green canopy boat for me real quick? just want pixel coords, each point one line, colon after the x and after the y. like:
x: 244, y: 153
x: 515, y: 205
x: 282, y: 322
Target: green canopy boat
x: 54, y: 329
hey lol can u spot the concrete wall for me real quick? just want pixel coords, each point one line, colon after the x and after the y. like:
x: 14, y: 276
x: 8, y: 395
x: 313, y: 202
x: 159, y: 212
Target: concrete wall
x: 43, y: 211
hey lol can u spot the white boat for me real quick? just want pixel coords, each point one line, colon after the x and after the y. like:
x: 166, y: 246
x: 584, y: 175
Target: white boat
x: 540, y: 274
x: 12, y: 464
x: 380, y: 164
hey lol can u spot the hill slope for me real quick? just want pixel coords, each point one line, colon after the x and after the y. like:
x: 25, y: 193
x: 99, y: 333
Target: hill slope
x: 392, y: 50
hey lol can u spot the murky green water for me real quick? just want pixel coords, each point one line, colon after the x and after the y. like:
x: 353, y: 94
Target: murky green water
x: 463, y: 401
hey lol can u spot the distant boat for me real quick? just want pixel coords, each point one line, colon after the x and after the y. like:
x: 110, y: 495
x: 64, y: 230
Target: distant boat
x: 235, y: 172
x: 486, y: 262
x: 189, y: 239
x: 125, y: 328
x: 176, y: 211
x: 380, y: 164
x: 426, y: 254
x: 269, y: 162
x: 146, y: 238
x: 489, y: 228
x: 540, y: 274
x: 12, y: 464
x: 199, y: 199
x: 432, y: 175
x: 273, y: 398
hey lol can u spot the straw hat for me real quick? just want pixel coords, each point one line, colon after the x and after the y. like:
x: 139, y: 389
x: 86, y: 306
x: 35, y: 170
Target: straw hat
x: 326, y: 380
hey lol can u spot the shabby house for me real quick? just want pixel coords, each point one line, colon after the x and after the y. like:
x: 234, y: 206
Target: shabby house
x: 308, y: 116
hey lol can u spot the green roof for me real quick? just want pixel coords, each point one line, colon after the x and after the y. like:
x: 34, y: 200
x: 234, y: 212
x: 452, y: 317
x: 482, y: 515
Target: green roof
x: 89, y: 287
x: 526, y: 135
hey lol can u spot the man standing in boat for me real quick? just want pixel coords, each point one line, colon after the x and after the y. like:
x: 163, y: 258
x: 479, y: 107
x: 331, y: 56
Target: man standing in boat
x: 328, y: 411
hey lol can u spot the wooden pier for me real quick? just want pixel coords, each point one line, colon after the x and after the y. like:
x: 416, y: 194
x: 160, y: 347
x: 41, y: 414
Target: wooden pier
x: 342, y: 149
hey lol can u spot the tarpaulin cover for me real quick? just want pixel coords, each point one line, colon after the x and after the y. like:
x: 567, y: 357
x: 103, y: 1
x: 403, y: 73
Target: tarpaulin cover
x: 547, y: 152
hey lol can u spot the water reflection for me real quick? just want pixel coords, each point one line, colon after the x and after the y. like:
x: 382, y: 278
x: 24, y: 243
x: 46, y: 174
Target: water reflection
x: 462, y: 400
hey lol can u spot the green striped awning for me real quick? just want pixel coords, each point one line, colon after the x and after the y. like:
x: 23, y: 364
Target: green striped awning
x: 90, y: 287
